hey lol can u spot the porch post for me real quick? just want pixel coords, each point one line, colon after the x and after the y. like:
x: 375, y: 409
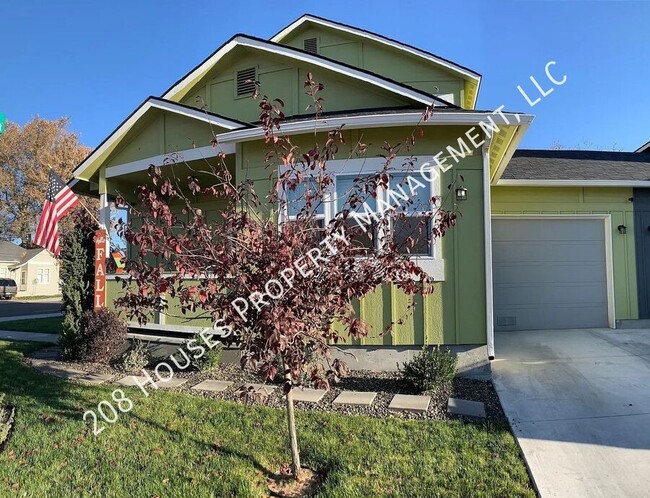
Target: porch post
x: 104, y: 208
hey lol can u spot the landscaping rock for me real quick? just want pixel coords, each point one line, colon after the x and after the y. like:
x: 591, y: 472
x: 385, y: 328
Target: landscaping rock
x: 409, y: 403
x: 466, y: 408
x: 357, y: 398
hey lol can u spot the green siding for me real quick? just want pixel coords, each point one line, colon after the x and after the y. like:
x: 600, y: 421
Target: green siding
x: 283, y: 78
x: 591, y: 200
x: 160, y: 133
x: 381, y: 59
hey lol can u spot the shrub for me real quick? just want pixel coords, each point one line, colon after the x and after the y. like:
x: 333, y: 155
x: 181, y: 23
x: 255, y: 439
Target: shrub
x: 208, y: 360
x: 77, y: 278
x: 102, y: 336
x: 430, y: 368
x: 135, y: 359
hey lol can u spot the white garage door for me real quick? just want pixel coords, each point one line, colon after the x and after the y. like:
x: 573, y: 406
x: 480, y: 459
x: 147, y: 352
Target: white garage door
x: 549, y: 273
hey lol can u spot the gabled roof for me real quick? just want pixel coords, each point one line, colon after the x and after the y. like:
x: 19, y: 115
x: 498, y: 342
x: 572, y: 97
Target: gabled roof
x: 462, y: 71
x: 13, y: 253
x: 582, y: 167
x: 10, y: 251
x: 644, y: 148
x: 110, y: 143
x: 179, y: 89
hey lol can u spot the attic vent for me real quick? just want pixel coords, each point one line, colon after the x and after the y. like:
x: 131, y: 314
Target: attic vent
x: 245, y: 82
x: 311, y: 45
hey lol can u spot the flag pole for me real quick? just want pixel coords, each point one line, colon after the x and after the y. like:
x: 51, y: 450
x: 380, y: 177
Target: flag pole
x: 83, y: 205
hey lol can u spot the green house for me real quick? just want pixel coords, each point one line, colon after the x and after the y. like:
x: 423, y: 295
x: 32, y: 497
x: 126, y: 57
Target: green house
x: 378, y: 88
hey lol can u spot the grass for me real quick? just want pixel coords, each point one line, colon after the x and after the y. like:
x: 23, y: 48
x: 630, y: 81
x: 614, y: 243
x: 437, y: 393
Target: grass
x: 37, y: 298
x: 173, y: 444
x: 44, y: 325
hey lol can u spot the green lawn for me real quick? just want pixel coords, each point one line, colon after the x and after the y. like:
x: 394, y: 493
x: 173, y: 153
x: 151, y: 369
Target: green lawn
x: 172, y: 444
x: 44, y: 325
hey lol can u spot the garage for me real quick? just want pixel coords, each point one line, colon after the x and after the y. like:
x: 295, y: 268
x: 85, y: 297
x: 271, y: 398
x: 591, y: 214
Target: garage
x: 550, y: 272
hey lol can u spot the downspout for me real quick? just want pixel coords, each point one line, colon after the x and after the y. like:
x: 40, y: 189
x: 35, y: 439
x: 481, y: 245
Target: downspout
x: 487, y: 222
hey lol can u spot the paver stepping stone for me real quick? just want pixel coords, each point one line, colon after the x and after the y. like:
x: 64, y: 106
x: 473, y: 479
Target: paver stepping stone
x: 132, y: 380
x: 467, y: 408
x: 93, y: 378
x: 358, y: 398
x: 261, y: 388
x: 215, y: 386
x: 171, y: 383
x: 409, y: 403
x: 308, y: 395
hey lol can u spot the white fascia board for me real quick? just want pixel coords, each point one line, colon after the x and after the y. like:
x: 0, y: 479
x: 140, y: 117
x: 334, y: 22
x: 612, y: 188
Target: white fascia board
x: 572, y: 183
x: 467, y: 74
x: 370, y: 121
x: 164, y: 159
x: 313, y: 60
x: 141, y: 111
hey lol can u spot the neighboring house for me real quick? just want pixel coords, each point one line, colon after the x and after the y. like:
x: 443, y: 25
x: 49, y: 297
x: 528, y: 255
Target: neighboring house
x: 378, y: 88
x: 36, y: 271
x: 644, y: 148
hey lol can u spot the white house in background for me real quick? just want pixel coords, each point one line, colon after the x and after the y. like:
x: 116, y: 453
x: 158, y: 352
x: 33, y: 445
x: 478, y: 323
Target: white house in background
x: 36, y: 271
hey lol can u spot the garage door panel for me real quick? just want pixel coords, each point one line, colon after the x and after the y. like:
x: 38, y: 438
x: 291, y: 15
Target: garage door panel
x: 552, y: 295
x: 551, y: 230
x: 540, y: 251
x: 529, y: 318
x: 549, y: 273
x: 538, y: 273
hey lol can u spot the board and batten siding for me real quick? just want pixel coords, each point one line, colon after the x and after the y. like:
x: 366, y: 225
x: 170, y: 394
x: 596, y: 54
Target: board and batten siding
x: 614, y: 201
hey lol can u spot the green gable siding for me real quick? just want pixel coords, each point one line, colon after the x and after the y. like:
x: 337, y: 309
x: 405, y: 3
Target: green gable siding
x: 159, y: 133
x: 283, y: 78
x: 380, y: 59
x: 589, y: 200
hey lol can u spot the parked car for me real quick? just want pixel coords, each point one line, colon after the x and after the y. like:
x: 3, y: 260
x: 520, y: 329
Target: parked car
x: 8, y: 288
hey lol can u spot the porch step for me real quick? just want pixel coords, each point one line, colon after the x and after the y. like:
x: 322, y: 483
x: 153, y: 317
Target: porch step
x: 633, y: 324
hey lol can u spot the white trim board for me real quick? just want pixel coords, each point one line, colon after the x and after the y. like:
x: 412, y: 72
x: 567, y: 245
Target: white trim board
x: 571, y: 183
x: 151, y: 103
x: 179, y: 89
x: 609, y: 256
x: 466, y: 73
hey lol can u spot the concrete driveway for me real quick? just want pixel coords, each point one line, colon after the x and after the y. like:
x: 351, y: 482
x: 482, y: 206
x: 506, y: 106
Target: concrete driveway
x: 579, y: 404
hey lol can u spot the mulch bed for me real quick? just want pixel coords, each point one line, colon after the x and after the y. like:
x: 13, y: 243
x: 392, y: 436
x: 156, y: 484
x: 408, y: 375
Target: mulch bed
x: 385, y: 383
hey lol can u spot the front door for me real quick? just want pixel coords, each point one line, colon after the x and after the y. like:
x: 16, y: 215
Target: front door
x: 642, y: 244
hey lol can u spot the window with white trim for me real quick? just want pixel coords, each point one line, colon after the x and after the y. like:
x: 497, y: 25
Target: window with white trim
x: 43, y: 276
x: 409, y: 190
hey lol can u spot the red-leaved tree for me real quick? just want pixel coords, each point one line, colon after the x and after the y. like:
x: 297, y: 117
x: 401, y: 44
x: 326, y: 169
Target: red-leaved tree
x: 285, y: 283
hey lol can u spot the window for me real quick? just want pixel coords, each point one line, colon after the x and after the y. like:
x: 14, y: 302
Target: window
x: 310, y: 45
x: 43, y: 276
x: 246, y: 82
x: 23, y: 278
x: 410, y: 225
x: 296, y: 203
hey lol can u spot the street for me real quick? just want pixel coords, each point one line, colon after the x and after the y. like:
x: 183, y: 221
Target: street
x: 24, y: 308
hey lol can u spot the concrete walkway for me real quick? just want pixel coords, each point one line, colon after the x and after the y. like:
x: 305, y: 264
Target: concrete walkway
x: 579, y: 404
x: 28, y: 336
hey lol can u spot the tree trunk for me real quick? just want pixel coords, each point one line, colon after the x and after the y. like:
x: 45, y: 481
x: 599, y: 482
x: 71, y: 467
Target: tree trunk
x: 293, y: 437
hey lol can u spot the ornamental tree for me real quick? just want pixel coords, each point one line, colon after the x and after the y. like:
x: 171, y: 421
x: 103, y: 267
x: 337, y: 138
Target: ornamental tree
x: 269, y: 269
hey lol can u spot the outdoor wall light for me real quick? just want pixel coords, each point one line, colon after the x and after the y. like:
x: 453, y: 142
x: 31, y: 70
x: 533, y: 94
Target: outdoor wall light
x: 461, y: 194
x: 622, y: 229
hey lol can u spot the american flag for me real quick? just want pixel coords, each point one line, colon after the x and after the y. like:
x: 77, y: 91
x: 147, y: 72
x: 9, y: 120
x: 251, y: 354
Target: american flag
x: 59, y: 199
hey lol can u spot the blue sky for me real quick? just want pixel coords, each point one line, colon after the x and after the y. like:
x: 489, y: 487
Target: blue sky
x: 97, y: 61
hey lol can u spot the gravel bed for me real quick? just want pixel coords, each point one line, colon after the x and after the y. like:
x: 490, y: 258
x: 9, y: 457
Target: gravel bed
x: 385, y: 384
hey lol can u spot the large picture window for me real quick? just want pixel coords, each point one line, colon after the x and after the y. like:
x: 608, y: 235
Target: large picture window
x: 410, y: 223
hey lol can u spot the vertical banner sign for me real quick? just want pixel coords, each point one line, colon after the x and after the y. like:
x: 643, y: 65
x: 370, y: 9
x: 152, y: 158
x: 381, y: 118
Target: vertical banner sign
x: 100, y: 269
x: 2, y: 123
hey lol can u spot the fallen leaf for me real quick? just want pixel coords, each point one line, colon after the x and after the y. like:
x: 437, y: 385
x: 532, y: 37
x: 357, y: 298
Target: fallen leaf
x: 165, y: 481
